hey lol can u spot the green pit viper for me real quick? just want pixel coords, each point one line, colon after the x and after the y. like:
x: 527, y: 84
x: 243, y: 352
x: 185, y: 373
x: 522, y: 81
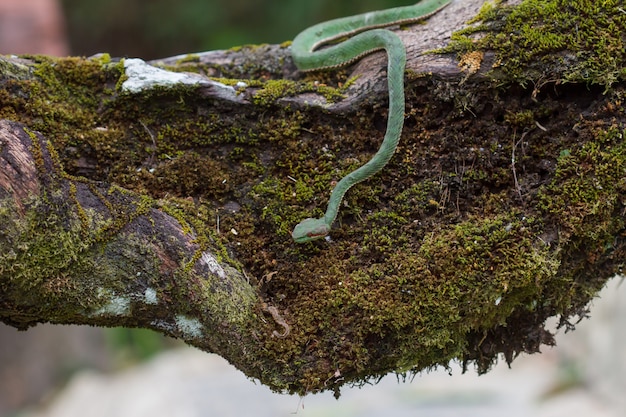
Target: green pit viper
x: 364, y: 36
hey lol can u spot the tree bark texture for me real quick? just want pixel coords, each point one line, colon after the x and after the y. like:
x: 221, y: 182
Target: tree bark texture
x: 132, y: 195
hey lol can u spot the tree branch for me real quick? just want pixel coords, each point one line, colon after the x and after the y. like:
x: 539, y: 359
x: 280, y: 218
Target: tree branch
x: 153, y: 198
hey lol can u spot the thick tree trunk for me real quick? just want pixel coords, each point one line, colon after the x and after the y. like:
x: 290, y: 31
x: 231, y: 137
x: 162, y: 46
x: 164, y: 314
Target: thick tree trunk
x: 145, y: 197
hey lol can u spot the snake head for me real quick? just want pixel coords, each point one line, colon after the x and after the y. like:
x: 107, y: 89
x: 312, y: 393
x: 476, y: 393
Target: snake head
x: 310, y: 229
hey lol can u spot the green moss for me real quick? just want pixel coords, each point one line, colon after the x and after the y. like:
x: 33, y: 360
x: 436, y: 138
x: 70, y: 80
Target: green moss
x: 271, y: 194
x: 415, y: 306
x: 234, y: 82
x: 530, y: 40
x: 194, y: 58
x: 506, y: 251
x: 80, y: 211
x: 276, y: 89
x: 64, y: 103
x: 584, y: 194
x: 382, y: 239
x: 524, y: 118
x: 37, y: 246
x: 46, y: 253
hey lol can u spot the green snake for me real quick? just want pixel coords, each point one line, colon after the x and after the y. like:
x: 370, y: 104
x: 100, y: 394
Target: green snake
x: 364, y: 35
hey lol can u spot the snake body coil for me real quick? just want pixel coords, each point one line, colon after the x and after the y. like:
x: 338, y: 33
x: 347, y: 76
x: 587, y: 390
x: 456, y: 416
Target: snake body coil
x: 364, y: 36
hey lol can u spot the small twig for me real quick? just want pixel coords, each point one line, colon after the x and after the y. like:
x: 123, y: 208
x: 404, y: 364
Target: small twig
x: 515, y: 144
x: 300, y: 402
x: 154, y: 145
x: 540, y: 127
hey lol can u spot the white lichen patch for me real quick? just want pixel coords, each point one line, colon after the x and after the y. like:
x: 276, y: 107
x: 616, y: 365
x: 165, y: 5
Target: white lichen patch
x: 142, y: 76
x: 191, y: 328
x: 162, y: 325
x: 150, y: 296
x: 117, y: 306
x: 213, y: 265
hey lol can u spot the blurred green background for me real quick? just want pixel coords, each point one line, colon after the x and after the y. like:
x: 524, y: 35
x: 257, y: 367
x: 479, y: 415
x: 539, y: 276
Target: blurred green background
x: 152, y: 29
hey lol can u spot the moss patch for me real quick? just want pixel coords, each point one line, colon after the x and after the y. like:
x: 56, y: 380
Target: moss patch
x: 548, y: 40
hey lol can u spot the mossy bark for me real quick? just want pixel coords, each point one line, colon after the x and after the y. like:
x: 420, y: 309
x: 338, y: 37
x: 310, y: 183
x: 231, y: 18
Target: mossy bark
x: 135, y: 197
